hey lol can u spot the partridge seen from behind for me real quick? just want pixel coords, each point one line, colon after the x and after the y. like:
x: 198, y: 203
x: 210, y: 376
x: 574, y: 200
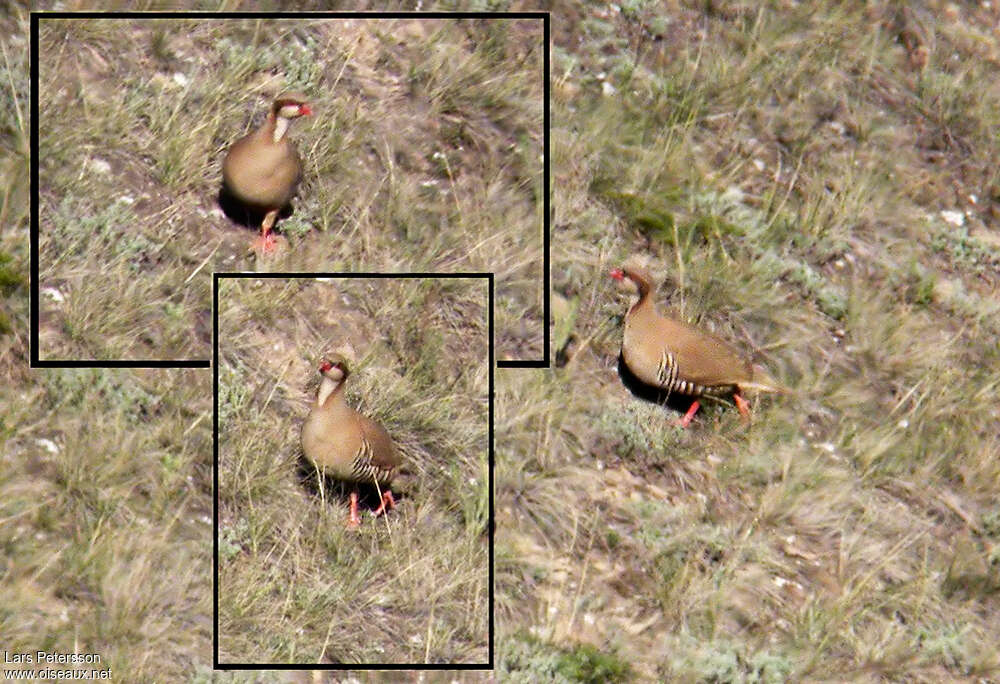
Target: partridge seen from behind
x: 262, y: 170
x: 675, y: 357
x: 346, y: 445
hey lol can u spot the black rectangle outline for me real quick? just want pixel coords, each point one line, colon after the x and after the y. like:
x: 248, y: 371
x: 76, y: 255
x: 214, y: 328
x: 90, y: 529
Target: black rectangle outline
x: 216, y: 277
x: 545, y: 361
x: 34, y: 361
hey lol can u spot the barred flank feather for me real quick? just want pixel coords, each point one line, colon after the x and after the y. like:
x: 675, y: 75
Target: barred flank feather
x: 366, y: 469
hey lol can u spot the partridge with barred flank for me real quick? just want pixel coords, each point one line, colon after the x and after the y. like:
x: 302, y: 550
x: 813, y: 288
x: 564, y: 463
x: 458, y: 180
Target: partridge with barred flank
x: 675, y: 357
x: 346, y: 445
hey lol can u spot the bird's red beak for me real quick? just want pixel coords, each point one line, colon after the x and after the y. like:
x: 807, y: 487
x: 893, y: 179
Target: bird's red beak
x: 304, y: 110
x: 617, y: 274
x: 325, y: 366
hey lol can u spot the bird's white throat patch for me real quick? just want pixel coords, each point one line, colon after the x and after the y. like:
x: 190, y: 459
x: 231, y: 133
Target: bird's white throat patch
x: 281, y: 125
x: 326, y: 388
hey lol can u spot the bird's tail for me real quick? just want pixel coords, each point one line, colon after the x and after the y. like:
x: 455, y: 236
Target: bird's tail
x: 763, y: 382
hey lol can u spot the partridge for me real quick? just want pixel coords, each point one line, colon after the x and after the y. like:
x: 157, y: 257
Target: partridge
x: 262, y: 170
x: 675, y: 357
x: 346, y: 445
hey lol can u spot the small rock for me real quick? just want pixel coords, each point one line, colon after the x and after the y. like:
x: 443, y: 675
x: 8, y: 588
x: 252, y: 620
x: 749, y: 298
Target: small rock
x: 53, y: 294
x: 98, y: 165
x: 955, y: 218
x: 48, y: 445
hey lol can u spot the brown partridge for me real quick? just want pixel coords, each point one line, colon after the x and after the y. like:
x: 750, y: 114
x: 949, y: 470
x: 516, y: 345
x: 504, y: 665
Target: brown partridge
x: 262, y: 170
x: 346, y: 445
x: 675, y: 357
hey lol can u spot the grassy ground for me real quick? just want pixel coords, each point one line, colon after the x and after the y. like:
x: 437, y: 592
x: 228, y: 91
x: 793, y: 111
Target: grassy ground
x: 106, y: 513
x: 105, y: 475
x: 295, y: 585
x: 787, y: 172
x: 818, y: 184
x: 424, y: 154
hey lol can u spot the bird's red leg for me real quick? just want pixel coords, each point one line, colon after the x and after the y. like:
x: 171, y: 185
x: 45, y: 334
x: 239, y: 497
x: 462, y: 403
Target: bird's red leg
x: 387, y: 503
x: 354, y: 520
x: 266, y: 243
x: 743, y: 405
x: 686, y: 420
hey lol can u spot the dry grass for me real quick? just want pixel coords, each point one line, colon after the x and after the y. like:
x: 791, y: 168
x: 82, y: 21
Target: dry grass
x: 106, y: 516
x: 424, y: 154
x: 105, y: 490
x: 296, y: 586
x: 786, y: 171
